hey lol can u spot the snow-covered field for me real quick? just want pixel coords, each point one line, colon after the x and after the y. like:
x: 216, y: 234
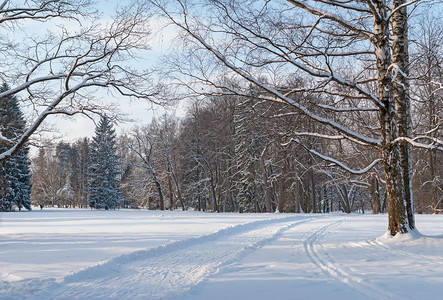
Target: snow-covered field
x: 130, y: 254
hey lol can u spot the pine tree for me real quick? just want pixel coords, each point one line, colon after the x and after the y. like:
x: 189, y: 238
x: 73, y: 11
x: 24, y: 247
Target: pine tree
x: 103, y: 170
x: 15, y: 178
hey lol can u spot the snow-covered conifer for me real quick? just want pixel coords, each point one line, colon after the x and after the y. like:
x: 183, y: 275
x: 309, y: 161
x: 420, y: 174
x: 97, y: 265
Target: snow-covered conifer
x: 103, y: 169
x: 15, y: 178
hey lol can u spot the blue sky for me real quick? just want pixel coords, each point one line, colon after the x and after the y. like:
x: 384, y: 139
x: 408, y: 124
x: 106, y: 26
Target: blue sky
x: 140, y: 111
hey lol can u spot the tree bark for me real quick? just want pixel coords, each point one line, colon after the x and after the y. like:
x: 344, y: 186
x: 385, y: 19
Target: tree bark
x: 313, y: 200
x: 395, y: 158
x: 171, y: 196
x: 160, y: 193
x: 281, y: 193
x: 400, y: 60
x: 375, y: 194
x: 268, y: 204
x: 390, y: 41
x: 297, y: 194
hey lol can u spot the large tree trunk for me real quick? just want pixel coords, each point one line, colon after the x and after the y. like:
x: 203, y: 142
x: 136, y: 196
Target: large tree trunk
x: 394, y: 118
x: 395, y: 189
x: 400, y: 60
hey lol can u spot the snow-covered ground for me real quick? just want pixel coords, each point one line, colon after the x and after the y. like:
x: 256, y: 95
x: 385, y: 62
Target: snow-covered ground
x: 130, y: 254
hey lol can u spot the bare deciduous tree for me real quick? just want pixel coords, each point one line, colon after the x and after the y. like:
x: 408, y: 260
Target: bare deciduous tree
x: 143, y: 147
x: 60, y: 71
x: 354, y: 51
x: 427, y: 74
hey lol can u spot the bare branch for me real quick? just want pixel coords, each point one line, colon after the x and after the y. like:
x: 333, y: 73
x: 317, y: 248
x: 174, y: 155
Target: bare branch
x: 338, y: 163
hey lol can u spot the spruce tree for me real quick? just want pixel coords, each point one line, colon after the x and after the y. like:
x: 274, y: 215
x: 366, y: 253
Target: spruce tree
x: 15, y: 177
x: 103, y: 170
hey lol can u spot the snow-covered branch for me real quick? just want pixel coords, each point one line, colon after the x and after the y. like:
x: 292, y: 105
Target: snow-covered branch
x: 11, y: 11
x: 440, y: 87
x: 346, y: 109
x: 328, y: 15
x: 435, y: 143
x: 402, y: 6
x: 338, y: 163
x: 276, y: 93
x: 343, y: 166
x: 4, y: 139
x: 342, y: 81
x: 58, y: 66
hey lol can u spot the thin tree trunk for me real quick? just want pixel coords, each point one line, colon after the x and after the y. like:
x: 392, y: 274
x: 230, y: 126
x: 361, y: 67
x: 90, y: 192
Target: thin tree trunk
x: 375, y: 195
x: 281, y: 193
x: 342, y: 193
x: 231, y: 198
x: 313, y: 200
x: 297, y: 196
x: 171, y: 197
x: 308, y: 202
x: 268, y: 203
x: 213, y: 194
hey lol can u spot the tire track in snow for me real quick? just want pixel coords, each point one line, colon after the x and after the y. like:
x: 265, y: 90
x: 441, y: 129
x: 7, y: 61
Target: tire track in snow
x: 327, y: 265
x: 161, y: 272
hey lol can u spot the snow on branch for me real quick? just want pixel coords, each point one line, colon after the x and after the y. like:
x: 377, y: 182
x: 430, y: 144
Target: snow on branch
x: 343, y: 166
x: 346, y: 5
x: 29, y: 83
x: 339, y: 164
x: 318, y: 12
x: 43, y: 10
x: 327, y: 136
x: 396, y: 69
x: 374, y: 10
x: 346, y: 109
x: 330, y: 76
x: 437, y: 127
x: 349, y: 133
x: 324, y: 136
x: 402, y: 6
x: 440, y: 88
x: 5, y: 139
x: 360, y: 183
x: 436, y: 143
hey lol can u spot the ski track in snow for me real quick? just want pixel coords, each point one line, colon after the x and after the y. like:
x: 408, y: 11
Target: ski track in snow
x: 161, y: 272
x: 397, y: 252
x: 326, y: 263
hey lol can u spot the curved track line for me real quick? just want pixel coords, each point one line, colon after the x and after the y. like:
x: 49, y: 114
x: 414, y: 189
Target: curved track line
x: 161, y: 272
x: 335, y: 271
x: 393, y: 251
